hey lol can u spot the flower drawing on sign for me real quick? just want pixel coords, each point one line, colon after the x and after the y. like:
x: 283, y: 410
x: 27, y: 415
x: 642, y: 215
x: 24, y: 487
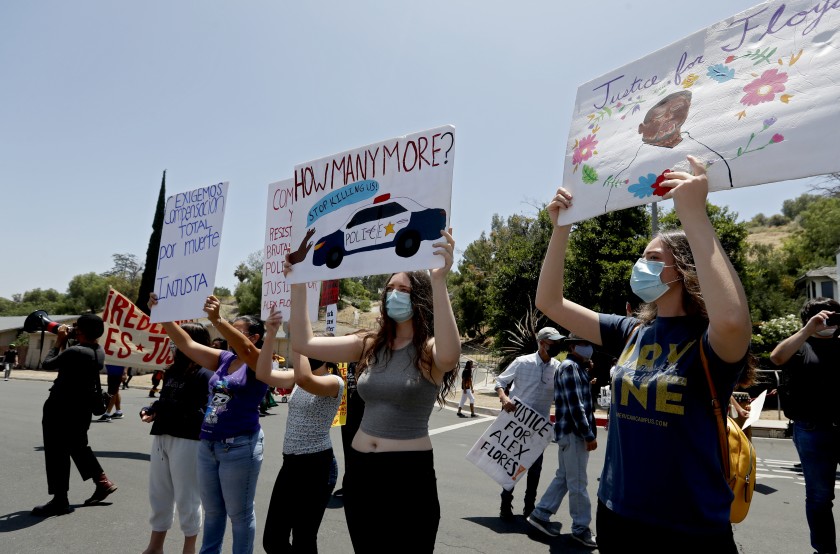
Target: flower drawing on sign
x: 721, y: 73
x: 690, y: 80
x: 584, y: 149
x: 644, y: 186
x: 764, y: 88
x: 589, y: 175
x: 660, y: 190
x: 775, y: 139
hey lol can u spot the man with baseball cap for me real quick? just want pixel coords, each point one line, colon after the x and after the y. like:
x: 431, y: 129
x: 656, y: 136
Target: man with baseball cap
x: 532, y: 380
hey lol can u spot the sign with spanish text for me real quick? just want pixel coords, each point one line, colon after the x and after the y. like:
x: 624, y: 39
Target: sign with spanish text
x: 130, y: 338
x: 330, y: 315
x: 341, y: 414
x: 755, y: 98
x: 375, y: 209
x: 189, y: 252
x: 511, y: 444
x: 278, y: 233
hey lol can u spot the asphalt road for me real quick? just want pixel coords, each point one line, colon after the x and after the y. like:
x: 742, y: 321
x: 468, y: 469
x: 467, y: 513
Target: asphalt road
x: 469, y: 499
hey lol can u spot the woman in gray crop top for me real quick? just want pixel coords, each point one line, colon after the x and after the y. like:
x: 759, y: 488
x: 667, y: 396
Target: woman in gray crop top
x: 307, y: 450
x: 403, y: 366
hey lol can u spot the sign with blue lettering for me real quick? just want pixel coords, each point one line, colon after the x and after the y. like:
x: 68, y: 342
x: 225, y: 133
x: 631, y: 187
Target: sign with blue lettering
x: 754, y: 97
x: 376, y: 209
x: 189, y: 252
x: 511, y: 444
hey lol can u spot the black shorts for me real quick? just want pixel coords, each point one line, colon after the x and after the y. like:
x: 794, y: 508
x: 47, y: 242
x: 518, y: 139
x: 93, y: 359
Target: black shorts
x: 114, y: 382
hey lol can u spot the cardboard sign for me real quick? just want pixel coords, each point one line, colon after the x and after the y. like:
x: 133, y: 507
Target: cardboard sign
x: 278, y: 236
x: 511, y: 444
x: 131, y: 339
x: 753, y: 97
x: 189, y: 252
x: 375, y: 209
x: 341, y: 415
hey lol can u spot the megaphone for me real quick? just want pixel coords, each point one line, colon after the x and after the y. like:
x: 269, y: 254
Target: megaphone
x: 40, y: 321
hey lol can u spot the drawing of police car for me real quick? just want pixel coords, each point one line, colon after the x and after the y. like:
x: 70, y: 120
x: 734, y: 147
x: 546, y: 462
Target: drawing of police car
x: 400, y: 223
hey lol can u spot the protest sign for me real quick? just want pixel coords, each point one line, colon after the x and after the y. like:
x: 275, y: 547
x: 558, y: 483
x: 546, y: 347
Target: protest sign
x: 754, y: 97
x: 755, y: 409
x: 189, y: 252
x: 130, y: 338
x: 278, y: 233
x: 330, y: 316
x: 375, y: 209
x: 341, y: 415
x: 511, y: 444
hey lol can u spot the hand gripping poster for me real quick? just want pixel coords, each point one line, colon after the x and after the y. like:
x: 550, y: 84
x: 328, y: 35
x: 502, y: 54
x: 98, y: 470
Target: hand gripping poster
x: 375, y: 209
x: 511, y: 444
x: 189, y: 252
x: 755, y: 97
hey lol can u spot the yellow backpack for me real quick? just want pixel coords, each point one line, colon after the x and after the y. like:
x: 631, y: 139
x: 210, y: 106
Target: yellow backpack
x: 737, y: 453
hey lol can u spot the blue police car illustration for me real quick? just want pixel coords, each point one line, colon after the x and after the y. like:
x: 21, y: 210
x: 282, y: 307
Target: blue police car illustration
x: 399, y: 223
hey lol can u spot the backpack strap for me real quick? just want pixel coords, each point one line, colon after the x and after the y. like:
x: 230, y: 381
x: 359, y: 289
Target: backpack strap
x: 722, y: 436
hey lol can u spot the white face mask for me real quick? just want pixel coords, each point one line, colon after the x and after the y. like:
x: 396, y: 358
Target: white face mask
x: 827, y: 332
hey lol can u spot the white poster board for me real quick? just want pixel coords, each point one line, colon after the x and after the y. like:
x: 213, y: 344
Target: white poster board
x: 189, y: 252
x: 511, y: 444
x: 278, y: 235
x: 330, y: 316
x: 755, y: 97
x: 375, y: 209
x: 756, y: 406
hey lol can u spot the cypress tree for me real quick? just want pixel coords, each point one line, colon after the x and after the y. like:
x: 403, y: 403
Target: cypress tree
x: 147, y: 284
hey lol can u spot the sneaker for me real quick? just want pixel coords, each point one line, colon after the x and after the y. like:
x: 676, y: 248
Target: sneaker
x: 459, y: 414
x: 552, y: 529
x: 104, y: 487
x: 473, y: 415
x: 52, y: 508
x: 104, y: 417
x: 117, y: 415
x: 585, y: 538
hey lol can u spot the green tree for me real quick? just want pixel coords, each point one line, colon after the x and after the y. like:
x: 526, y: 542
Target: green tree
x: 601, y: 254
x: 88, y: 292
x: 222, y: 292
x: 793, y: 207
x: 770, y: 288
x: 469, y: 286
x: 147, y: 282
x: 125, y: 275
x: 248, y: 291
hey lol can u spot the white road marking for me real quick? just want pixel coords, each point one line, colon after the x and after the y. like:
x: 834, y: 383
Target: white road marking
x: 471, y: 421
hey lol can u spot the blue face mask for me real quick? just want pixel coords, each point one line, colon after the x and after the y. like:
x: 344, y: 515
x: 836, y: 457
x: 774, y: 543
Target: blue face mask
x: 398, y: 306
x: 645, y: 280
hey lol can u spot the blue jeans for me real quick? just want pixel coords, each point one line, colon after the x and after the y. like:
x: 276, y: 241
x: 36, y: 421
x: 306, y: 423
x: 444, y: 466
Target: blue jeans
x: 227, y: 479
x: 571, y: 478
x: 818, y: 446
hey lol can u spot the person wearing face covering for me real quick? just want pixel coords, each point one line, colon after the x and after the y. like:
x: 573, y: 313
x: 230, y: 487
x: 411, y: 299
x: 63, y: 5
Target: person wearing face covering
x: 532, y: 380
x: 810, y: 356
x: 574, y: 432
x: 402, y: 368
x: 662, y: 488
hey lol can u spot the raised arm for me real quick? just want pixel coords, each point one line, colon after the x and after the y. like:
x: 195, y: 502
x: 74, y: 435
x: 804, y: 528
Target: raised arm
x: 319, y: 385
x: 330, y: 349
x: 446, y: 348
x: 785, y: 350
x: 550, y: 299
x: 242, y: 345
x: 730, y: 328
x: 204, y: 356
x: 284, y: 379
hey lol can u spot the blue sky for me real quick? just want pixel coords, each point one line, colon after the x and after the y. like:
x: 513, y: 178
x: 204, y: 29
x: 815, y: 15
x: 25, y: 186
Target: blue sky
x: 98, y: 98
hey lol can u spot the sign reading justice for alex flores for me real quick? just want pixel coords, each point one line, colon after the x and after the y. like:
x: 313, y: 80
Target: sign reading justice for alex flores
x: 511, y: 445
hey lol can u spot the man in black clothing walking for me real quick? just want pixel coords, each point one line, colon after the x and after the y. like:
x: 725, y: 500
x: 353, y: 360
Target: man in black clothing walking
x: 67, y: 414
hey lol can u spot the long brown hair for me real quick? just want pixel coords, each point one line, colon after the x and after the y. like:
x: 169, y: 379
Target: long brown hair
x: 182, y: 364
x: 692, y: 297
x: 423, y: 324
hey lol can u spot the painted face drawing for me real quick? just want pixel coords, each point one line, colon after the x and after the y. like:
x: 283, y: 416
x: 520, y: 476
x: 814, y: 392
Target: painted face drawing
x: 217, y: 406
x: 662, y: 123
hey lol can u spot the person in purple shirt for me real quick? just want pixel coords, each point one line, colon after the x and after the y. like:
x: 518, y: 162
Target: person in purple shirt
x: 231, y: 451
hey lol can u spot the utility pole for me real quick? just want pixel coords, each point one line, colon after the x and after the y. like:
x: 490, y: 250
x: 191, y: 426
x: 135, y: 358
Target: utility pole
x: 654, y: 219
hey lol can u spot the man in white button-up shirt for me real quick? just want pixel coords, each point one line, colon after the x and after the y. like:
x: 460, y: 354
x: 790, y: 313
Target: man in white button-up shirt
x: 532, y: 380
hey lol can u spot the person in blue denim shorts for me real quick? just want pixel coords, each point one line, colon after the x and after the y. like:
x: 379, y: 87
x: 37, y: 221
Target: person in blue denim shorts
x: 809, y: 357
